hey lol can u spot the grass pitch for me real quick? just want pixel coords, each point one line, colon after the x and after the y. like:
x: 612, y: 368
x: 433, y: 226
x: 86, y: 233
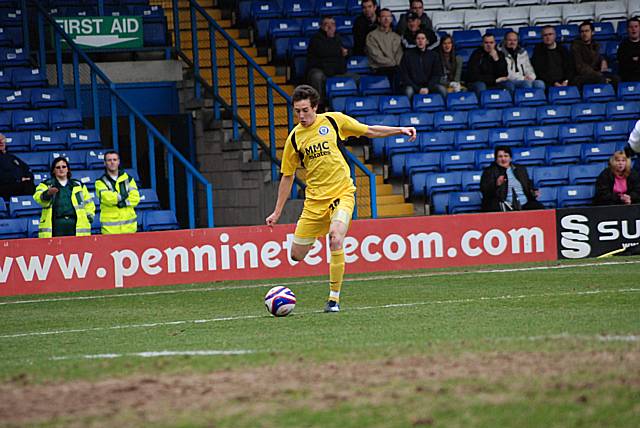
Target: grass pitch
x: 554, y: 345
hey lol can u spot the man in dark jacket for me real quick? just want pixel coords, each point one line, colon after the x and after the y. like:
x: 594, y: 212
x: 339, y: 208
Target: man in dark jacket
x: 326, y: 56
x: 590, y: 65
x: 420, y: 69
x: 414, y: 26
x: 487, y: 66
x: 629, y: 53
x: 15, y: 176
x: 416, y: 7
x: 551, y: 61
x: 366, y: 22
x: 506, y: 186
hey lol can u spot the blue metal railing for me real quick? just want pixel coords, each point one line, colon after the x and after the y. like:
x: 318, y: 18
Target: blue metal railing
x: 254, y: 71
x: 131, y: 113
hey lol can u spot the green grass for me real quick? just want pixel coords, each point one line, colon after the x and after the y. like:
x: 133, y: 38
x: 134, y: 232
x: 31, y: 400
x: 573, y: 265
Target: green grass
x: 556, y: 347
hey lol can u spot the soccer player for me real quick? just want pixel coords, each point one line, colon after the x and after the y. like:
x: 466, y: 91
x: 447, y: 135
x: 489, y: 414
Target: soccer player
x: 330, y: 200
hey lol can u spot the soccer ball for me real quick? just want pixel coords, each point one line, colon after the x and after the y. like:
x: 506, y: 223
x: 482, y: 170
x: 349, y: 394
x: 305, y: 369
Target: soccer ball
x: 280, y: 301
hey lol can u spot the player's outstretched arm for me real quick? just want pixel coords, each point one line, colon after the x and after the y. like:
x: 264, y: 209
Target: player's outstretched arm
x: 284, y: 189
x: 380, y: 131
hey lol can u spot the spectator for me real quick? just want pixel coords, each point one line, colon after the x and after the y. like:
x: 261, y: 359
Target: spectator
x: 521, y: 74
x: 365, y: 23
x: 119, y: 196
x: 67, y: 207
x: 551, y: 61
x: 629, y: 53
x: 590, y: 65
x: 488, y: 67
x: 451, y: 65
x: 416, y: 7
x: 420, y: 69
x: 410, y: 33
x: 15, y: 176
x: 506, y: 186
x: 618, y: 183
x: 384, y: 47
x: 326, y: 56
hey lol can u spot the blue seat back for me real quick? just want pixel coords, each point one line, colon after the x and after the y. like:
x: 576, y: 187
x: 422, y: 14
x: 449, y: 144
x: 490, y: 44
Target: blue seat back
x: 358, y: 64
x: 428, y: 103
x: 472, y: 139
x: 13, y: 228
x: 548, y: 196
x: 617, y: 110
x: 11, y: 99
x: 519, y: 116
x: 436, y: 141
x: 18, y: 141
x: 511, y: 137
x: 598, y: 92
x: 575, y: 195
x: 331, y: 7
x: 75, y: 158
x: 48, y: 140
x: 450, y: 120
x: 471, y: 180
x: 25, y: 120
x: 47, y: 97
x: 420, y: 120
x: 585, y: 174
x: 148, y: 200
x: 553, y: 114
x: 399, y: 144
x: 159, y: 220
x: 484, y: 158
x: 529, y: 97
x: 458, y: 160
x: 422, y: 162
x: 550, y: 175
x: 361, y: 106
x: 341, y: 86
x: 564, y: 95
x: 629, y: 91
x: 394, y: 104
x: 467, y: 38
x: 485, y: 118
x: 374, y: 85
x: 575, y: 133
x: 37, y: 161
x: 88, y: 177
x: 462, y: 101
x: 594, y: 152
x: 23, y: 206
x: 64, y: 118
x: 588, y: 112
x: 559, y: 154
x: 443, y: 182
x: 611, y: 131
x: 493, y: 98
x: 298, y: 8
x: 464, y: 202
x: 541, y: 135
x: 529, y: 155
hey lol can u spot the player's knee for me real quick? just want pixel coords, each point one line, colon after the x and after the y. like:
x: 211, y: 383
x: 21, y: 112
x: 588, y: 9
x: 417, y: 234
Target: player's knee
x: 298, y: 254
x: 335, y: 241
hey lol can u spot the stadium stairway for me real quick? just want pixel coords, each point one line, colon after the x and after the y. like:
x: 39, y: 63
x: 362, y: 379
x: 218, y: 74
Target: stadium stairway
x: 390, y: 201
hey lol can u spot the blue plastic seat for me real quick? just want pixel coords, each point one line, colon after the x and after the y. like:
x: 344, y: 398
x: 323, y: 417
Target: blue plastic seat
x: 615, y: 130
x: 603, y: 31
x: 47, y: 97
x: 14, y: 99
x: 48, y: 140
x: 436, y: 182
x: 155, y: 33
x: 154, y: 220
x: 439, y: 203
x: 428, y: 103
x: 5, y: 120
x: 485, y: 118
x: 617, y: 110
x: 467, y: 38
x: 94, y: 159
x: 282, y: 27
x: 341, y: 86
x: 298, y: 8
x: 458, y: 160
x: 436, y: 141
x: 13, y: 228
x: 382, y: 119
x: 548, y: 196
x: 23, y: 206
x: 588, y: 112
x: 529, y: 155
x: 519, y: 116
x: 344, y: 25
x: 575, y: 195
x: 4, y: 210
x: 296, y: 46
x: 529, y: 35
x: 419, y: 120
x: 553, y: 114
x: 331, y: 7
x: 561, y: 154
x: 495, y: 98
x: 532, y: 97
x: 88, y: 177
x: 40, y: 176
x: 450, y: 120
x: 148, y: 200
x: 596, y: 152
x: 472, y: 139
x: 464, y: 202
x: 265, y: 9
x: 310, y: 26
x: 564, y: 95
x: 374, y: 85
x: 361, y: 106
x: 575, y: 133
x: 541, y: 135
x: 471, y: 180
x: 512, y: 137
x: 18, y: 141
x: 567, y: 33
x: 629, y: 91
x: 422, y: 162
x: 462, y: 101
x: 394, y: 104
x: 83, y: 139
x: 550, y: 175
x: 37, y: 161
x: 25, y: 120
x: 354, y: 7
x: 398, y: 164
x: 5, y: 79
x: 599, y: 92
x: 13, y: 57
x: 64, y: 118
x: 339, y: 103
x: 400, y: 144
x: 358, y: 64
x: 585, y: 174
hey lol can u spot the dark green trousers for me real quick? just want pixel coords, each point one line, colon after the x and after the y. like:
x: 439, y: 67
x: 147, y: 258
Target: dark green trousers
x: 64, y: 226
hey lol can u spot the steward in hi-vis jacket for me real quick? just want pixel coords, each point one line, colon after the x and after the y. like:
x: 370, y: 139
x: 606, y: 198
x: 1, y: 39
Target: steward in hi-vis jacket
x: 118, y: 195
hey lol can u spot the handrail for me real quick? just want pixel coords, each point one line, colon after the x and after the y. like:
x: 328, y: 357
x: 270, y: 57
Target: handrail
x: 152, y: 132
x: 252, y: 66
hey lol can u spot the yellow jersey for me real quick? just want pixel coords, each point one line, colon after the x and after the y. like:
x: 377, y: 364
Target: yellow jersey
x: 328, y: 173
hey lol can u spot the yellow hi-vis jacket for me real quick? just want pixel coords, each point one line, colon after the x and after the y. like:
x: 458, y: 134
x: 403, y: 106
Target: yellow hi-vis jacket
x: 115, y: 219
x: 81, y: 201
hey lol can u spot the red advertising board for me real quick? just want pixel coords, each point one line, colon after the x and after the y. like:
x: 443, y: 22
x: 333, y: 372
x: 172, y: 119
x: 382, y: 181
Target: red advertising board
x: 33, y: 266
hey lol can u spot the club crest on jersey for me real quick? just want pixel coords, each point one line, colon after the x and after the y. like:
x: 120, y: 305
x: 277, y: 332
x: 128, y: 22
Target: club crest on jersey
x: 324, y: 130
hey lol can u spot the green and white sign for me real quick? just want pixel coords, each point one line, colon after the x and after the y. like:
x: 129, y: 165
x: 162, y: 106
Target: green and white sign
x: 97, y: 32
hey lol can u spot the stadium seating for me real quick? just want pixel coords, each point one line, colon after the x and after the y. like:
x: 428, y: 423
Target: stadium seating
x: 458, y: 160
x: 541, y: 135
x: 519, y: 116
x: 588, y: 112
x: 394, y: 104
x: 463, y: 202
x: 617, y: 110
x: 63, y: 118
x: 75, y: 158
x: 564, y: 95
x: 585, y: 174
x: 485, y: 118
x: 471, y: 139
x: 611, y: 131
x: 575, y: 195
x: 341, y: 86
x: 495, y: 98
x: 361, y: 106
x: 420, y: 120
x: 563, y: 154
x: 510, y: 137
x: 436, y: 141
x: 598, y: 92
x: 148, y: 200
x: 421, y: 162
x: 471, y: 180
x: 83, y: 139
x: 374, y: 85
x: 159, y: 220
x: 484, y: 157
x: 450, y: 120
x: 428, y: 103
x: 575, y: 133
x: 13, y: 228
x: 529, y: 97
x: 26, y: 120
x: 462, y: 101
x: 550, y: 175
x: 629, y: 91
x: 529, y: 155
x: 18, y: 141
x: 399, y: 144
x: 551, y: 114
x: 548, y: 196
x: 23, y: 206
x: 38, y: 161
x: 594, y: 152
x: 47, y: 97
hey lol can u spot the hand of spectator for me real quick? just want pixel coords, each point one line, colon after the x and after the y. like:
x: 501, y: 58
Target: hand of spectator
x: 502, y: 79
x: 500, y: 181
x: 26, y: 178
x: 529, y: 78
x: 344, y: 51
x: 424, y: 91
x: 52, y: 191
x: 604, y: 66
x: 537, y: 193
x: 626, y: 199
x: 494, y: 55
x: 410, y: 131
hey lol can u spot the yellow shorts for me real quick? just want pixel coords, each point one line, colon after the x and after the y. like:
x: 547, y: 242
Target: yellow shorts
x: 317, y: 216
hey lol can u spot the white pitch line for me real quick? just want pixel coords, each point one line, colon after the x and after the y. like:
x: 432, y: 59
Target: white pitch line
x: 315, y: 281
x: 154, y: 354
x: 360, y: 308
x: 563, y: 336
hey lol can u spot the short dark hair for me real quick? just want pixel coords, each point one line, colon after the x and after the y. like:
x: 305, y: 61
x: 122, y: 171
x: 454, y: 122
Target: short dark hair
x: 488, y: 35
x: 369, y: 1
x: 414, y: 1
x: 56, y: 161
x: 633, y: 19
x: 505, y: 149
x: 587, y: 22
x: 548, y: 26
x: 384, y: 9
x: 111, y: 152
x: 306, y: 92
